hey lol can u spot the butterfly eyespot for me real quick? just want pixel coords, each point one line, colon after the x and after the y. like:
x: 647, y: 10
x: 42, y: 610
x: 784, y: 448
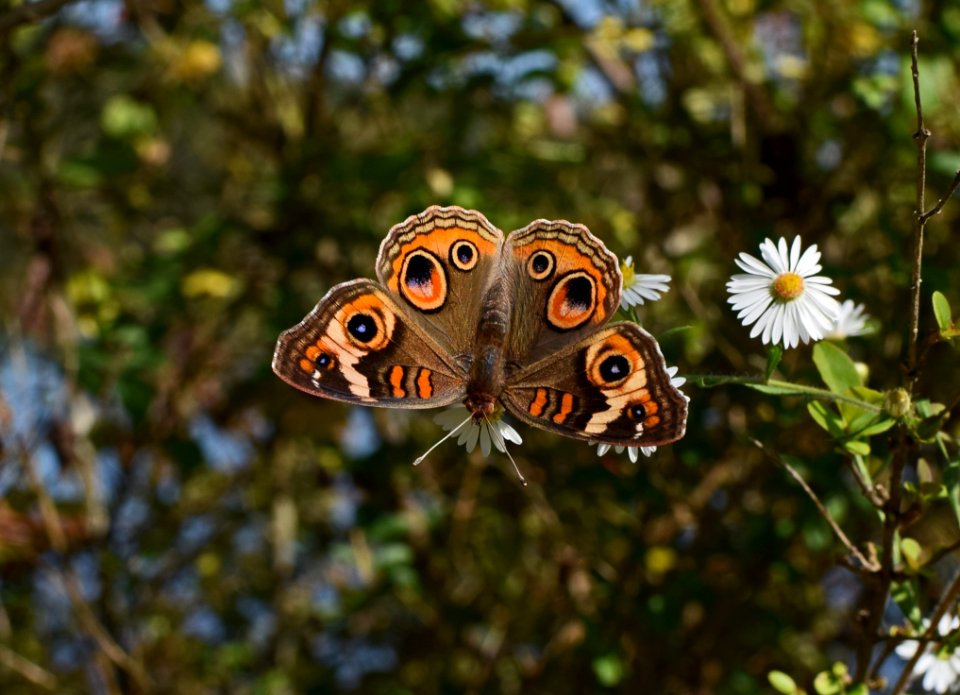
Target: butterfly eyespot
x: 464, y: 255
x: 614, y: 368
x: 572, y: 301
x: 540, y: 266
x: 325, y: 361
x: 363, y: 327
x: 423, y: 281
x: 644, y: 412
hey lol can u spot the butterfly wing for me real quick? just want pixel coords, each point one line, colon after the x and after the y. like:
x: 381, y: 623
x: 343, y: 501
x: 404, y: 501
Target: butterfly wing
x: 438, y: 265
x: 564, y: 284
x: 610, y: 386
x: 359, y: 346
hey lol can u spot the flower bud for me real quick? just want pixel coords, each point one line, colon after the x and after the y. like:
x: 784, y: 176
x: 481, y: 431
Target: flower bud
x: 896, y: 403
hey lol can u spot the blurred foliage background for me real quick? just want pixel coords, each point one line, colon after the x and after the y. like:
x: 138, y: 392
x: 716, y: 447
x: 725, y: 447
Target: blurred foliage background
x: 180, y: 181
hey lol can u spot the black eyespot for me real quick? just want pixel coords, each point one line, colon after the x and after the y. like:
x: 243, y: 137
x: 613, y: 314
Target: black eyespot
x: 324, y: 360
x: 362, y: 327
x: 637, y: 412
x: 419, y: 271
x: 579, y: 293
x: 540, y: 265
x: 614, y: 368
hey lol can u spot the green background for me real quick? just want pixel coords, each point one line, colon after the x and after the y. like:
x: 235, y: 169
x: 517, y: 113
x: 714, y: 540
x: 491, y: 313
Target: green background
x: 179, y: 182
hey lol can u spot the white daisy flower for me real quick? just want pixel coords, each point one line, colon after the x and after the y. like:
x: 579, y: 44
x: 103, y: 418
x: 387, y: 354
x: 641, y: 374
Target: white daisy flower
x: 638, y: 288
x: 939, y: 665
x: 783, y: 296
x: 851, y: 321
x: 489, y: 433
x: 634, y: 451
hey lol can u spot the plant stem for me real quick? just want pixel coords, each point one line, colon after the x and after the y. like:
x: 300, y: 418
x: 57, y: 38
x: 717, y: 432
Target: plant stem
x: 709, y: 380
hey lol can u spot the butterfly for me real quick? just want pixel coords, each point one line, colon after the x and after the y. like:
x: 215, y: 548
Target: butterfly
x: 462, y: 314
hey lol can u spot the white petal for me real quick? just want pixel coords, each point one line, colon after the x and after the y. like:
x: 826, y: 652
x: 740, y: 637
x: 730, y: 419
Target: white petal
x: 778, y: 326
x: 791, y: 328
x: 795, y: 254
x: 809, y: 262
x: 470, y: 440
x: 647, y: 450
x: 907, y: 648
x: 510, y: 434
x: 485, y: 439
x: 775, y: 256
x: 632, y: 453
x: 754, y: 266
x: 602, y: 449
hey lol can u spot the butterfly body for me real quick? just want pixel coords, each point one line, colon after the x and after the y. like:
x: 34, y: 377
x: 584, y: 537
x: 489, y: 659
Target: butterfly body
x: 463, y: 314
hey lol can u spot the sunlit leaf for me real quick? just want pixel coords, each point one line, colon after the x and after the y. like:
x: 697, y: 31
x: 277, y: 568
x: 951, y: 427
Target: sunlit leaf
x: 836, y: 369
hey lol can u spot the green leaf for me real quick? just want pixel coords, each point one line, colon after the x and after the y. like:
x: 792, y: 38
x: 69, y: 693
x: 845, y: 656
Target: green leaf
x: 608, y: 669
x: 868, y: 395
x: 911, y: 552
x: 858, y: 689
x: 782, y: 683
x: 773, y: 359
x: 857, y: 447
x: 951, y: 479
x: 904, y: 594
x: 836, y: 368
x: 941, y: 309
x: 827, y: 684
x: 881, y: 425
x: 777, y: 390
x: 827, y: 418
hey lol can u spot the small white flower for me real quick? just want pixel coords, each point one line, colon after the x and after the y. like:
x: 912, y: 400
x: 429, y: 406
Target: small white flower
x: 939, y: 665
x: 851, y: 321
x: 638, y: 288
x: 634, y: 451
x: 782, y: 296
x: 490, y: 433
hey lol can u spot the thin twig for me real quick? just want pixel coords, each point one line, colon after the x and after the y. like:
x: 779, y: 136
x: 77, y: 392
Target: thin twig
x: 30, y: 12
x: 921, y: 135
x: 82, y: 610
x: 37, y: 675
x: 936, y: 209
x: 854, y: 550
x: 869, y: 491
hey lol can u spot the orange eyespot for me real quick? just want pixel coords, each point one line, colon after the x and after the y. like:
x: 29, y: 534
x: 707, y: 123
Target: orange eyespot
x: 423, y: 281
x: 572, y: 301
x: 464, y: 255
x: 363, y: 325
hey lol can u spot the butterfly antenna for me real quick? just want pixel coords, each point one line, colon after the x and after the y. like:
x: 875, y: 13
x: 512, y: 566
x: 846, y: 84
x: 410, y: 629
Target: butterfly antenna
x: 503, y: 447
x: 449, y: 434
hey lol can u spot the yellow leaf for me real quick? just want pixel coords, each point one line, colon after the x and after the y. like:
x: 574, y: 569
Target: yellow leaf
x: 209, y: 282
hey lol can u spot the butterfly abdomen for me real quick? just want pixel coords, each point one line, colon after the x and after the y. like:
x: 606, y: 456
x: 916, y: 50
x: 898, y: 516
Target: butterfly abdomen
x: 486, y: 374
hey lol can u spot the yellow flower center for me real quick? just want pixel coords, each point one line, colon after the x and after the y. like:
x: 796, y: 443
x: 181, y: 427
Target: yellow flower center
x: 787, y: 287
x: 628, y: 272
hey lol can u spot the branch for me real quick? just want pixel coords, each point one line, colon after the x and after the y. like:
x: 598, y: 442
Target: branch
x: 854, y: 550
x: 82, y: 610
x: 30, y: 12
x: 936, y: 209
x: 920, y: 136
x: 32, y: 672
